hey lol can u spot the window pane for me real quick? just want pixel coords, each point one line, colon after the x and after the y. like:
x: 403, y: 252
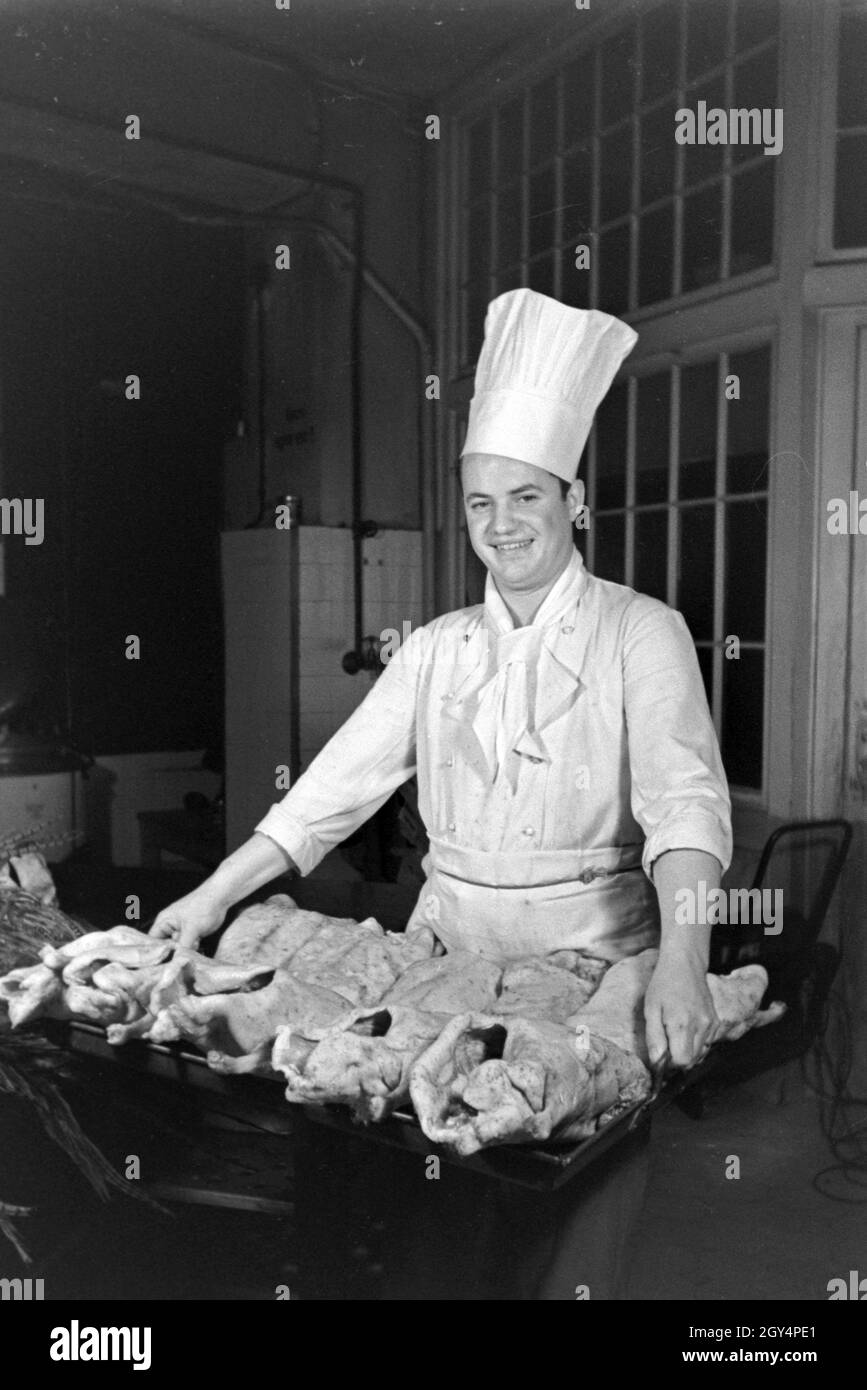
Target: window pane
x: 478, y: 232
x: 478, y: 158
x: 509, y: 225
x: 746, y: 549
x: 742, y: 718
x: 510, y: 132
x: 611, y: 419
x: 651, y: 554
x: 615, y: 163
x: 618, y: 74
x: 658, y: 149
x: 850, y: 200
x: 542, y: 202
x: 851, y: 87
x: 659, y: 49
x: 574, y: 283
x: 577, y: 189
x: 705, y: 665
x: 656, y: 255
x: 578, y: 99
x: 543, y: 121
x: 753, y: 218
x: 702, y: 237
x: 703, y: 161
x: 695, y: 574
x: 610, y: 553
x: 747, y: 422
x: 540, y: 274
x: 706, y: 23
x: 652, y: 435
x: 614, y: 270
x: 698, y: 397
x: 755, y: 89
x: 755, y: 20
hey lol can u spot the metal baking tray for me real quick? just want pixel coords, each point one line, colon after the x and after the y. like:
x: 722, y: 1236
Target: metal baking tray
x: 260, y: 1100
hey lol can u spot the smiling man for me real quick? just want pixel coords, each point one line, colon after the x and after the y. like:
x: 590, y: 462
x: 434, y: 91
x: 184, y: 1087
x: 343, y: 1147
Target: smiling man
x: 568, y: 770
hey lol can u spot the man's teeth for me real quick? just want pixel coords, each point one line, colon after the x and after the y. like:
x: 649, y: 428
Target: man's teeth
x: 514, y: 545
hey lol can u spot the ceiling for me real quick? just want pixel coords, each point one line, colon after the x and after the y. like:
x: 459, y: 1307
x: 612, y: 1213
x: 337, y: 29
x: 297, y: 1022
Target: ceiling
x: 412, y: 48
x: 67, y: 67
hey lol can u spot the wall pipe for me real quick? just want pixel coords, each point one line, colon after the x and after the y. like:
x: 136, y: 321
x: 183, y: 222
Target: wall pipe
x: 355, y: 193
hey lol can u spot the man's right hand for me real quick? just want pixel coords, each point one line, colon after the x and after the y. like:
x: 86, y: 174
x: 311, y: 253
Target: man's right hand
x: 191, y: 918
x: 204, y: 910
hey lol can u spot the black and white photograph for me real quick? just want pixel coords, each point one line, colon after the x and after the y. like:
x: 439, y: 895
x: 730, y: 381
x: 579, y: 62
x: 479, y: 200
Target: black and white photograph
x: 433, y: 664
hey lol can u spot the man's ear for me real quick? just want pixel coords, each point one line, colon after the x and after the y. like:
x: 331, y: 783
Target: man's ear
x: 575, y: 498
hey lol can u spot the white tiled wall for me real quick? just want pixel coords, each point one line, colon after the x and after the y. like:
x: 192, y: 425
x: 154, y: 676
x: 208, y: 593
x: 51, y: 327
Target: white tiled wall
x: 392, y: 595
x: 257, y: 597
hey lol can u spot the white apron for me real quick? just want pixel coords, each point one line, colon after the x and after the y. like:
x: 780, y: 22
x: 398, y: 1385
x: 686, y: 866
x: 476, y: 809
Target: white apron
x: 555, y: 762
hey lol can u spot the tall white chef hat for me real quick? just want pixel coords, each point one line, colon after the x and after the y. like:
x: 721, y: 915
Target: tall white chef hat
x: 541, y: 373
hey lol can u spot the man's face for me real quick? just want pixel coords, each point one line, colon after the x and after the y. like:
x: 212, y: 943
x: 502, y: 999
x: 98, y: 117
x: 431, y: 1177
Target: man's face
x: 519, y: 522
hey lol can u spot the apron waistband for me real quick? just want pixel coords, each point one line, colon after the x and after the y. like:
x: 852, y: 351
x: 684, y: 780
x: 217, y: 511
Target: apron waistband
x: 530, y: 868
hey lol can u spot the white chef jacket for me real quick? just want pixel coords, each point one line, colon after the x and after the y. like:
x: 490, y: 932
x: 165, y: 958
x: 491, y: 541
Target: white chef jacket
x: 555, y: 763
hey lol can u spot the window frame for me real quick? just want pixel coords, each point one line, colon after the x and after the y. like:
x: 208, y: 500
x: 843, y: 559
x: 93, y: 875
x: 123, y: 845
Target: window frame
x: 826, y: 252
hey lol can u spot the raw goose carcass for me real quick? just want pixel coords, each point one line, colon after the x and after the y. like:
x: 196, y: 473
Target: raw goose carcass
x: 493, y: 1080
x: 270, y: 933
x: 448, y: 984
x: 539, y: 987
x: 235, y: 1029
x: 363, y: 1062
x: 62, y: 985
x: 616, y: 1010
x: 358, y: 959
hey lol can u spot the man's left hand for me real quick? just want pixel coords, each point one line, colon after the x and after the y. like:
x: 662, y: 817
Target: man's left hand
x: 679, y: 1011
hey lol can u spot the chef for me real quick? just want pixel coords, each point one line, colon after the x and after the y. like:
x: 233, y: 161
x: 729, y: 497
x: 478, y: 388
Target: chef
x: 568, y: 771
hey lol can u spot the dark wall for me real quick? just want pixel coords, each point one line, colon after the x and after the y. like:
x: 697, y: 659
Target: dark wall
x: 132, y: 489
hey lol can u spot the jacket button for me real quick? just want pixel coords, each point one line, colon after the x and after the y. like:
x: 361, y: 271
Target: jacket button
x: 451, y: 825
x: 567, y: 629
x: 450, y: 762
x: 529, y: 830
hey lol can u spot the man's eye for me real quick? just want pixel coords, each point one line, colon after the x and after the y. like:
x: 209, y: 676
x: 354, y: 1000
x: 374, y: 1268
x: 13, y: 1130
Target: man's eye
x: 528, y: 497
x: 477, y: 506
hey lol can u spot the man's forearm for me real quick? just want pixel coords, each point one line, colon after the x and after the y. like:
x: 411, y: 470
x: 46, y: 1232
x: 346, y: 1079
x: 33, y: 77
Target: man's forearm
x: 247, y: 868
x: 674, y: 871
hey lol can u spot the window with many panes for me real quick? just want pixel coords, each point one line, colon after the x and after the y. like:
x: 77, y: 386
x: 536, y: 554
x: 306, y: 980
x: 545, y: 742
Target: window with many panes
x: 850, y: 198
x: 677, y: 486
x: 588, y: 157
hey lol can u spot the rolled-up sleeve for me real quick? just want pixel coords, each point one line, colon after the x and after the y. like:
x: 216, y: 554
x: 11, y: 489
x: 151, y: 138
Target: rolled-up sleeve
x: 370, y: 755
x: 680, y: 796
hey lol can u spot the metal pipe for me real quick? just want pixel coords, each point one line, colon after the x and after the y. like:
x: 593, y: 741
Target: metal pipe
x: 424, y: 416
x: 355, y: 192
x: 357, y: 439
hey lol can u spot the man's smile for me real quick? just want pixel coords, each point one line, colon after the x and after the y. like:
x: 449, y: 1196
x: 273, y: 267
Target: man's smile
x: 508, y: 546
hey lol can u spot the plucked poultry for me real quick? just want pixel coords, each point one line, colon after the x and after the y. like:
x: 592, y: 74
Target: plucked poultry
x: 489, y: 1080
x: 365, y: 1060
x: 616, y: 1010
x: 551, y: 987
x: 543, y: 1049
x: 494, y: 1080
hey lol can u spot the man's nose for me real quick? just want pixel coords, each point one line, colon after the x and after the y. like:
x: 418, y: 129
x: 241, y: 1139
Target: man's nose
x: 503, y: 519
